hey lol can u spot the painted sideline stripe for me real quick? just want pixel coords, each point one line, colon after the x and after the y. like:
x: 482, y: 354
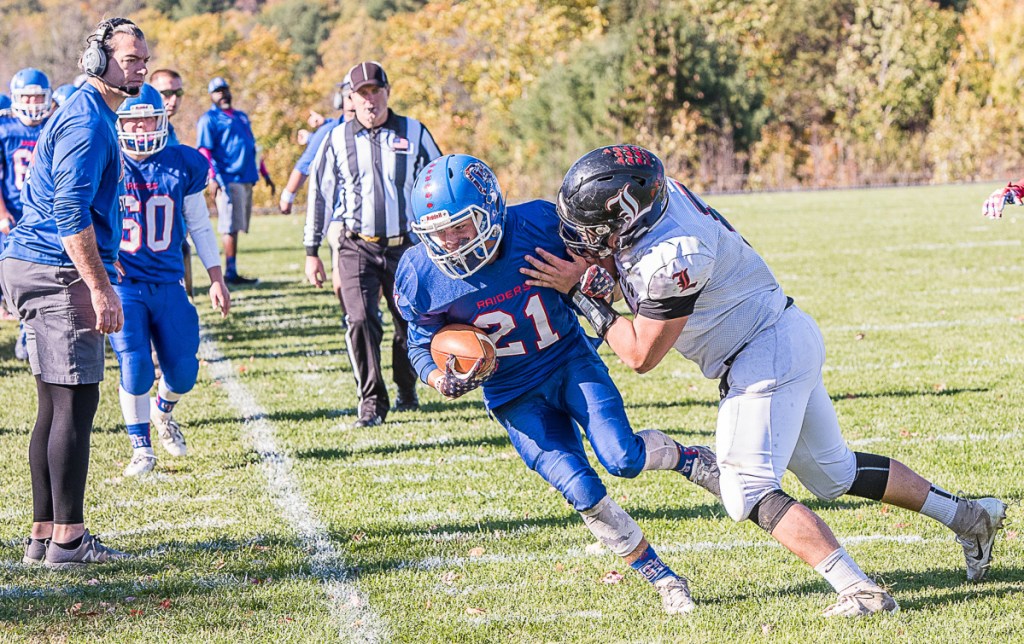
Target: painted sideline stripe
x: 349, y: 608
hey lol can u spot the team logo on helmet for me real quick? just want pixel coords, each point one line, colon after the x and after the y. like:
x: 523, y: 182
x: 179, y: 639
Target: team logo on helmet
x: 628, y: 205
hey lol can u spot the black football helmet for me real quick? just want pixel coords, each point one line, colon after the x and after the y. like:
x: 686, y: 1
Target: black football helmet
x: 615, y: 190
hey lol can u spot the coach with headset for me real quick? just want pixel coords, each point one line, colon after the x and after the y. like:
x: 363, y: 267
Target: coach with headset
x: 57, y: 271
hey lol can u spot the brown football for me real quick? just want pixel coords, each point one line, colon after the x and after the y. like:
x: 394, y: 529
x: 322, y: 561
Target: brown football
x: 467, y: 343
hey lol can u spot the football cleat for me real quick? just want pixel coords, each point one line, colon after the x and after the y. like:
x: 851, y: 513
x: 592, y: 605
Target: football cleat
x: 865, y: 601
x: 978, y: 540
x: 35, y: 551
x: 675, y: 595
x: 92, y: 550
x: 143, y: 461
x: 705, y: 471
x: 169, y: 431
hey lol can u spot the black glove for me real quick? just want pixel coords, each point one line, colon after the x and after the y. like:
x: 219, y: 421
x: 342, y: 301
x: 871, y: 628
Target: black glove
x: 270, y: 184
x: 454, y: 384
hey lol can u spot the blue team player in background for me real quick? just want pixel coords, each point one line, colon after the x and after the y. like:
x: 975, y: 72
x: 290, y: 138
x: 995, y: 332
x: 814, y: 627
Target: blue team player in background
x: 19, y: 131
x: 549, y: 377
x: 164, y: 200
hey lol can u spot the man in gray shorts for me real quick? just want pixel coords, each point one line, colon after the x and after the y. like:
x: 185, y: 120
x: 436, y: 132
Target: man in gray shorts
x: 224, y: 136
x: 57, y: 271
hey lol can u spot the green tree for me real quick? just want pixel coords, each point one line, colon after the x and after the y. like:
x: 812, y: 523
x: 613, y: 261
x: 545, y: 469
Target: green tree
x: 307, y: 23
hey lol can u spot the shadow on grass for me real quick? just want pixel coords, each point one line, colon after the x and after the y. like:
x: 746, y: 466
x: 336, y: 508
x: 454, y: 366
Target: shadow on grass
x: 340, y: 453
x: 837, y: 397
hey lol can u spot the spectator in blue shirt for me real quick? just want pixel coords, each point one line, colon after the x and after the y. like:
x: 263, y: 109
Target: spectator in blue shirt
x: 57, y: 271
x: 224, y: 137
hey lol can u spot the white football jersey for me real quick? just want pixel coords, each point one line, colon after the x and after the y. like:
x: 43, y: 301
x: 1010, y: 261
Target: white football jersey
x: 692, y: 262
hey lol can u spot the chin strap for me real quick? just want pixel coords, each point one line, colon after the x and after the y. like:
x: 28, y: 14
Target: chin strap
x: 598, y: 312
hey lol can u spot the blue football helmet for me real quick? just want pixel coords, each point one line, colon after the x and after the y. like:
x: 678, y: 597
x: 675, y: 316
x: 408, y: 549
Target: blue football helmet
x: 459, y: 213
x: 5, y: 105
x: 31, y: 82
x: 147, y: 104
x: 62, y: 93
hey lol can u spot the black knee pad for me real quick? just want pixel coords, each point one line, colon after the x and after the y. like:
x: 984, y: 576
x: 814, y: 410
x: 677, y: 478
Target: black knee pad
x: 770, y: 509
x: 872, y: 476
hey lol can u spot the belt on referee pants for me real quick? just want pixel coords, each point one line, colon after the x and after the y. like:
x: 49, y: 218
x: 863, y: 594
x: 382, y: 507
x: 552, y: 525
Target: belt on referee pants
x: 723, y: 383
x: 380, y: 241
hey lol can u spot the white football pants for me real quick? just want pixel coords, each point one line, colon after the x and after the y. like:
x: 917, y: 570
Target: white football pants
x: 778, y: 416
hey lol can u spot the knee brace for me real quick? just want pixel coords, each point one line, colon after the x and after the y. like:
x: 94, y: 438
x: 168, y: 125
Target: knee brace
x: 767, y: 512
x: 872, y: 476
x: 662, y: 453
x: 615, y: 529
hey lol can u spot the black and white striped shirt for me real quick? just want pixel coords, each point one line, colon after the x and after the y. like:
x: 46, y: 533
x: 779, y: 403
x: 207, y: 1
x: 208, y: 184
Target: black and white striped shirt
x: 363, y: 177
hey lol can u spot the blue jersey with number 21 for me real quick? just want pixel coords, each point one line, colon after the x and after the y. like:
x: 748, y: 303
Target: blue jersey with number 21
x: 534, y: 329
x: 153, y: 208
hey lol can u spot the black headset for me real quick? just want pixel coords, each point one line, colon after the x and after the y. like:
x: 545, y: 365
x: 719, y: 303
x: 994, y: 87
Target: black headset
x: 94, y: 59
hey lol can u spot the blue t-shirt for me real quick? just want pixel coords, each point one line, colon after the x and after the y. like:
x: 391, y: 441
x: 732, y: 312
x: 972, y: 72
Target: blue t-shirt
x: 172, y: 136
x: 17, y: 142
x: 154, y: 219
x: 229, y: 139
x: 75, y: 181
x: 534, y: 329
x: 313, y: 144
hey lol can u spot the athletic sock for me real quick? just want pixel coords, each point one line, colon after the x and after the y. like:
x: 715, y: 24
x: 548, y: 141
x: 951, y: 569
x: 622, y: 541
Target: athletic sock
x: 941, y: 506
x: 840, y: 570
x: 687, y: 456
x: 139, y: 435
x: 70, y: 545
x: 165, y: 398
x: 651, y: 567
x: 229, y: 268
x: 135, y: 410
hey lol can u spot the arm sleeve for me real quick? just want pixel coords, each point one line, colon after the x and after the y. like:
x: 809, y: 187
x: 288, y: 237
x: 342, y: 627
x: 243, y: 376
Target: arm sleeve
x: 422, y: 327
x: 197, y: 220
x: 79, y: 159
x: 322, y: 189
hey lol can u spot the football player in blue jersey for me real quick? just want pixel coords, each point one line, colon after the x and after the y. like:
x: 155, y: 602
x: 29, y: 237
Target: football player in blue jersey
x: 62, y: 94
x: 5, y: 105
x: 30, y: 107
x: 164, y: 201
x: 549, y: 377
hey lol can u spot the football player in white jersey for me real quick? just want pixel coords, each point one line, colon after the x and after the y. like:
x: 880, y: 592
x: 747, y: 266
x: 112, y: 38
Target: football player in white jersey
x: 694, y: 284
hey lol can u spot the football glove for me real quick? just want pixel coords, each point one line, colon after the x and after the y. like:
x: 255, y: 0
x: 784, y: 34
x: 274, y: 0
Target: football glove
x: 597, y: 282
x: 1011, y: 194
x: 270, y: 184
x: 454, y: 384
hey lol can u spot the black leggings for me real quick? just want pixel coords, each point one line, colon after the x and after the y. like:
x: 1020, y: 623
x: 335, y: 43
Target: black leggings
x: 58, y: 454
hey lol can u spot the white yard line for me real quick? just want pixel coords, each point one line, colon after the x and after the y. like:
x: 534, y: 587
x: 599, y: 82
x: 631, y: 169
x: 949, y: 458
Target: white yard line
x: 349, y: 608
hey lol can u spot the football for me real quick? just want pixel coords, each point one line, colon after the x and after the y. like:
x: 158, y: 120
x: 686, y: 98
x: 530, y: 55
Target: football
x: 467, y: 343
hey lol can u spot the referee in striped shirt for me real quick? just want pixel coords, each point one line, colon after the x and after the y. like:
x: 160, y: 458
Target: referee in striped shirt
x: 360, y: 196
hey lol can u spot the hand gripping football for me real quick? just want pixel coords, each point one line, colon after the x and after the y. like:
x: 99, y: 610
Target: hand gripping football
x: 467, y: 344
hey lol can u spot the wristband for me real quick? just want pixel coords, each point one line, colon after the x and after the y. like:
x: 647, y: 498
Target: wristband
x: 597, y: 311
x: 287, y: 197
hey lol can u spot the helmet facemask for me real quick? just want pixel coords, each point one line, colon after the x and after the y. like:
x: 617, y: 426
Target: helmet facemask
x: 139, y: 141
x: 32, y: 112
x: 483, y: 231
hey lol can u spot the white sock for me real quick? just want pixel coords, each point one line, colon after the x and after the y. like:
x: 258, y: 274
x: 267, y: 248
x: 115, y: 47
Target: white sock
x: 145, y: 450
x: 134, y: 408
x: 164, y: 392
x: 940, y: 505
x: 840, y: 570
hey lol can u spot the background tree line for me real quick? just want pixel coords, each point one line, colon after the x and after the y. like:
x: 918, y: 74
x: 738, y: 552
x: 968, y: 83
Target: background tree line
x: 734, y: 94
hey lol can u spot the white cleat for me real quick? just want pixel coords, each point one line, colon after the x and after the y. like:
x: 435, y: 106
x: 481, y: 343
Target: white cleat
x: 675, y: 596
x: 861, y: 602
x: 169, y: 432
x: 143, y: 461
x: 979, y: 538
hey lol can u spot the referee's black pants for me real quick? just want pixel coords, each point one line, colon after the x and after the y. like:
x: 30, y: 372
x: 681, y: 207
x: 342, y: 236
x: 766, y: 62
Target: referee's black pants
x: 365, y: 269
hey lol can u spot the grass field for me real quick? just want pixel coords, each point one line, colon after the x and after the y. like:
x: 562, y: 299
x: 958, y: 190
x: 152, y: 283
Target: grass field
x: 284, y: 524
